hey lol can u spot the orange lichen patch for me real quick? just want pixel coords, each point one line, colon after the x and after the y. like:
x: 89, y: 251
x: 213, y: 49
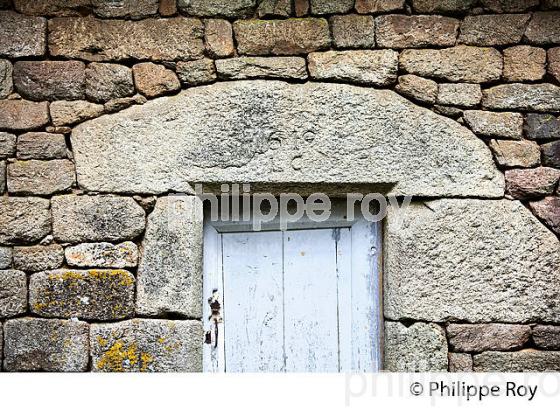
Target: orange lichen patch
x: 119, y: 357
x: 161, y: 340
x: 75, y: 255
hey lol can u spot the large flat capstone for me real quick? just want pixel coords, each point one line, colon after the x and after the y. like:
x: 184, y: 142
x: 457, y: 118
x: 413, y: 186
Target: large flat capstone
x: 274, y: 132
x: 470, y: 260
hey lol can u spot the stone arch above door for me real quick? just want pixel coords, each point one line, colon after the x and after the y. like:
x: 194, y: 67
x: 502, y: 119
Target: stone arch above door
x: 279, y: 133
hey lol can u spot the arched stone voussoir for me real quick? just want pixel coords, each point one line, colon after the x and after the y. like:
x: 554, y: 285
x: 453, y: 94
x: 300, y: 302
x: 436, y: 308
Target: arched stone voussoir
x: 272, y: 132
x: 470, y: 260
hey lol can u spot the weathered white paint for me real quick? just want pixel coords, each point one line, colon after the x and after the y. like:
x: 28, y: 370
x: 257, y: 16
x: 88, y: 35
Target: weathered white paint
x: 214, y: 360
x: 303, y: 300
x: 366, y: 295
x: 252, y: 271
x: 344, y: 298
x: 310, y: 301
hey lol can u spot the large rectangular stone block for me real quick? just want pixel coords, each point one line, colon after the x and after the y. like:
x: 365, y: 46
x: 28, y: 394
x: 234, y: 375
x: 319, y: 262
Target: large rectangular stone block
x: 103, y: 255
x: 455, y: 64
x: 281, y: 37
x: 445, y: 6
x: 509, y: 6
x: 522, y: 361
x: 213, y: 8
x: 96, y: 218
x: 66, y: 113
x: 52, y: 7
x: 22, y: 115
x: 218, y: 36
x: 353, y: 31
x: 470, y: 260
x: 373, y: 67
x: 378, y: 6
x: 46, y: 345
x: 22, y: 36
x: 50, y: 80
x: 331, y: 6
x: 170, y: 269
x: 398, y: 31
x: 135, y: 9
x: 38, y: 258
x: 493, y: 30
x: 95, y: 294
x: 524, y: 97
x: 261, y: 67
x: 24, y: 220
x: 488, y: 336
x: 13, y: 293
x: 41, y: 145
x: 495, y: 124
x: 544, y: 28
x: 41, y: 177
x: 142, y: 345
x: 103, y: 40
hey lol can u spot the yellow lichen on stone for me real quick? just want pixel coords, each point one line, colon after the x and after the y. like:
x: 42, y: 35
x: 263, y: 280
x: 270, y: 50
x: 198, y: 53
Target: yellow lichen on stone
x: 125, y: 279
x: 101, y: 341
x: 172, y: 346
x: 119, y: 357
x: 54, y: 336
x: 67, y: 275
x: 145, y: 360
x: 39, y: 306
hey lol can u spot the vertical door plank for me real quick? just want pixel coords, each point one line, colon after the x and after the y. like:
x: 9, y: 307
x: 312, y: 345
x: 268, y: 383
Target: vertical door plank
x: 311, y: 334
x: 366, y: 304
x: 213, y: 360
x: 252, y: 269
x: 344, y: 291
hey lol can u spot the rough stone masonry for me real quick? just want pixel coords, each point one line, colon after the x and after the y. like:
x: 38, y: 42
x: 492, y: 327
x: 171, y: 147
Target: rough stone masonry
x: 106, y: 107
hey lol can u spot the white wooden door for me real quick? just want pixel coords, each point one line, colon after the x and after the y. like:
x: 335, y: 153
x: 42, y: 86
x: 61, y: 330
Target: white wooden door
x: 303, y: 300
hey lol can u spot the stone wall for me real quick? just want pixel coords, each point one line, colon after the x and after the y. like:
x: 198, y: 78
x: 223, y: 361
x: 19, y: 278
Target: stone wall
x: 93, y: 277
